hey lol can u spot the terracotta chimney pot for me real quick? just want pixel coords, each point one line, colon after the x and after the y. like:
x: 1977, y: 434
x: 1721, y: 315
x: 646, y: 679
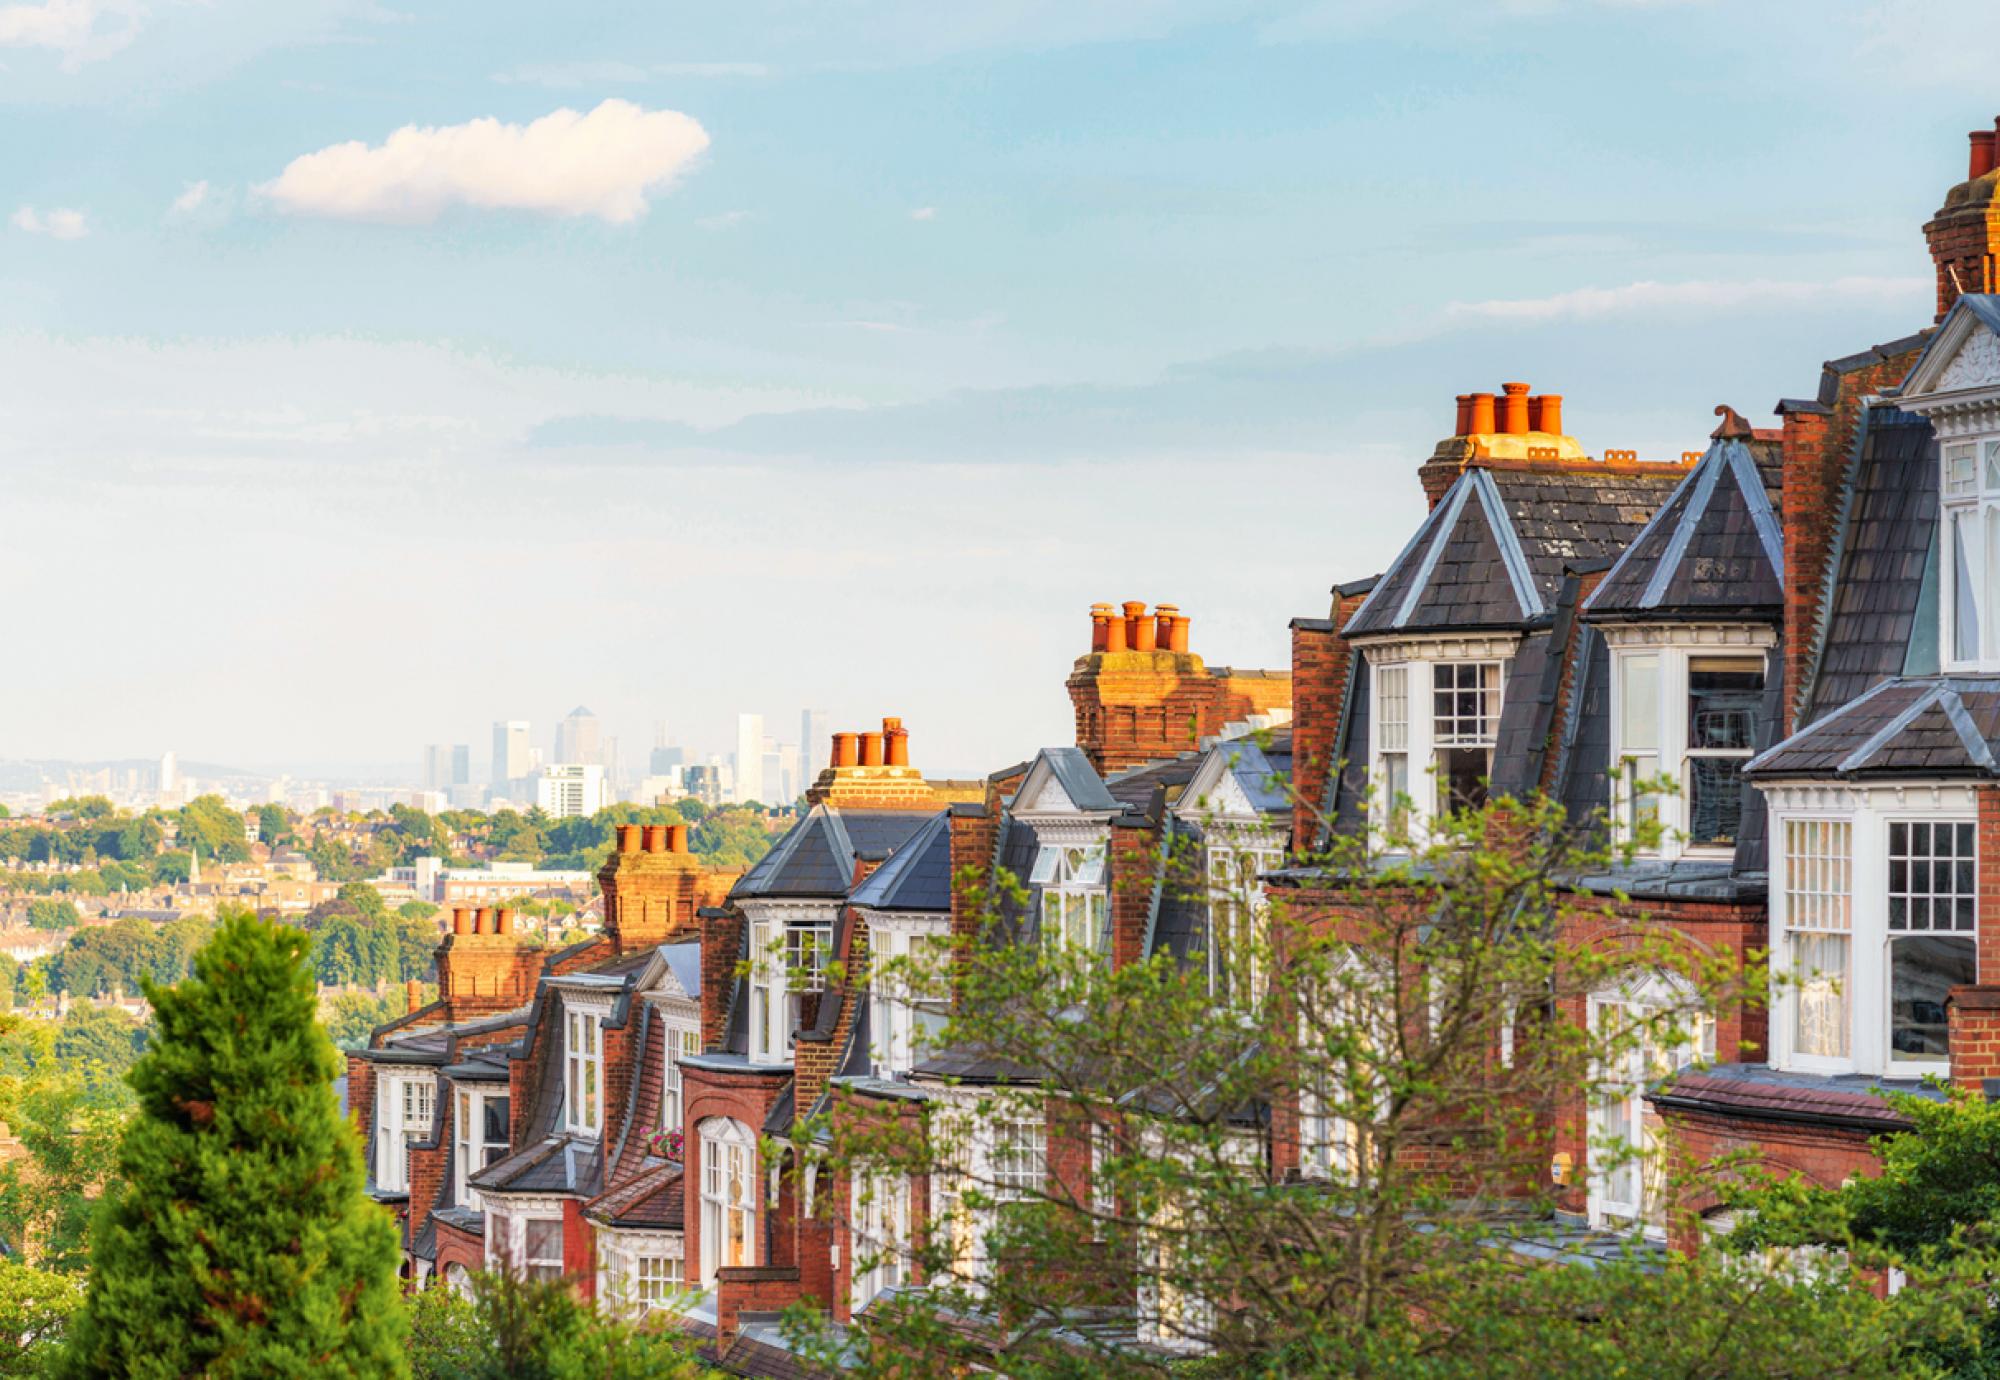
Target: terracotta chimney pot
x: 413, y: 995
x: 482, y: 920
x: 871, y: 749
x: 844, y: 750
x: 461, y: 920
x: 1464, y: 422
x: 1115, y: 630
x: 1482, y: 415
x: 629, y: 840
x: 1100, y: 619
x: 656, y: 838
x: 1514, y: 409
x: 1135, y: 614
x: 1982, y: 153
x: 503, y: 920
x: 896, y: 742
x: 1551, y: 419
x: 1163, y: 625
x: 1145, y: 633
x: 677, y: 838
x: 1179, y: 641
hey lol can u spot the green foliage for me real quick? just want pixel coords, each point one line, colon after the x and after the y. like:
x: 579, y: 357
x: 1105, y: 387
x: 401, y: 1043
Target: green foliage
x: 46, y: 914
x: 211, y: 828
x: 514, y: 1329
x: 68, y: 1123
x: 351, y: 1017
x: 35, y: 1307
x: 121, y: 956
x: 416, y: 910
x: 241, y: 1242
x: 82, y: 806
x: 172, y: 868
x: 274, y: 826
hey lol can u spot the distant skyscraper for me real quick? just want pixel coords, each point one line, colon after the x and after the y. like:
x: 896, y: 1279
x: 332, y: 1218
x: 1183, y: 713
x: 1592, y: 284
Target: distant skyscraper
x: 170, y: 776
x: 437, y: 766
x: 461, y: 764
x: 570, y: 789
x: 749, y: 757
x: 815, y: 748
x: 511, y: 749
x: 577, y: 738
x: 778, y: 790
x: 665, y: 759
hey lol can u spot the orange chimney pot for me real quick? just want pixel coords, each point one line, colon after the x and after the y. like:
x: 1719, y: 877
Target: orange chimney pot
x: 1514, y: 409
x: 1115, y: 630
x: 871, y: 749
x: 1982, y: 153
x: 1178, y: 642
x: 896, y: 742
x: 629, y: 840
x: 656, y: 838
x: 1100, y: 631
x: 844, y: 750
x: 503, y: 920
x: 1551, y: 419
x: 1135, y: 614
x: 677, y: 838
x: 482, y: 920
x: 1163, y: 624
x: 461, y: 920
x: 1482, y: 415
x: 1464, y: 422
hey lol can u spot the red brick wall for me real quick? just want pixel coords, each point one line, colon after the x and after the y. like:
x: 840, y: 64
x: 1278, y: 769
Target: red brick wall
x: 721, y: 952
x: 1134, y: 859
x: 1963, y: 237
x: 579, y: 1249
x: 1319, y: 681
x: 1825, y: 1156
x: 427, y: 1164
x: 1974, y: 1014
x: 747, y: 1097
x: 361, y: 1097
x: 455, y: 1247
x: 751, y: 1289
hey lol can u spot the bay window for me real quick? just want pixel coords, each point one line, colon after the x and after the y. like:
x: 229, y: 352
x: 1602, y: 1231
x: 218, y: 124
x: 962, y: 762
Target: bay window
x: 1877, y: 909
x: 1020, y: 1159
x: 542, y: 1248
x: 1437, y: 720
x: 1687, y: 712
x: 403, y: 1111
x: 881, y: 1234
x: 583, y: 1070
x: 525, y: 1237
x: 728, y: 1196
x: 1075, y: 897
x: 1646, y: 1025
x: 681, y: 1042
x: 1970, y: 554
x: 656, y: 1279
x: 479, y: 1124
x: 910, y: 991
x: 789, y: 957
x: 1236, y: 910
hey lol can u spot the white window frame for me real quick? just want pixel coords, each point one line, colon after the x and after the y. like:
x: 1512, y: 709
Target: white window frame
x: 902, y: 1020
x: 641, y: 1272
x: 1018, y: 1155
x: 1238, y: 909
x: 728, y: 1192
x: 583, y: 1067
x: 1414, y: 662
x: 1969, y: 493
x: 1332, y: 1146
x: 507, y: 1225
x: 1672, y: 651
x: 1075, y: 906
x: 405, y: 1113
x: 790, y: 950
x: 1624, y: 1089
x: 470, y: 1147
x: 678, y: 1040
x: 879, y: 1229
x: 1869, y: 810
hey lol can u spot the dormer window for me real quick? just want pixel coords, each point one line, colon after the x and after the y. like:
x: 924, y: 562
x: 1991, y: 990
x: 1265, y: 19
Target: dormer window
x: 1437, y: 722
x: 583, y: 1071
x: 1687, y: 711
x: 480, y: 1126
x: 1970, y: 517
x: 403, y: 1112
x: 1074, y: 895
x: 789, y: 957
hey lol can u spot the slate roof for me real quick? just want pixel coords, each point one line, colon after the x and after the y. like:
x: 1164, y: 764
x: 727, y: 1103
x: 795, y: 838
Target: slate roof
x: 1928, y: 726
x: 557, y: 1164
x: 1493, y: 552
x: 653, y: 1198
x: 1760, y: 1093
x: 816, y: 856
x: 1078, y: 779
x: 1880, y: 607
x: 917, y: 876
x: 1715, y: 549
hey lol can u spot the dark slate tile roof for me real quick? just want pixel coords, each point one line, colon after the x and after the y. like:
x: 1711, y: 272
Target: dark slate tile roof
x: 1929, y: 726
x: 816, y: 856
x: 1134, y: 788
x: 1684, y: 879
x: 1533, y: 677
x: 558, y: 1164
x: 1348, y: 807
x: 1716, y: 549
x: 1079, y: 780
x: 652, y: 1198
x: 917, y: 876
x: 1581, y: 781
x: 1880, y: 609
x: 1493, y: 552
x: 1758, y: 1092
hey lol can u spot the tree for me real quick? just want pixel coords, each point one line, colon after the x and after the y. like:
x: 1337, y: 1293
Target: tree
x: 241, y: 1241
x: 209, y: 826
x: 35, y: 1306
x: 274, y: 826
x: 69, y: 1136
x: 518, y: 1329
x: 46, y: 914
x: 83, y: 806
x: 172, y: 868
x: 1417, y: 1026
x: 416, y: 910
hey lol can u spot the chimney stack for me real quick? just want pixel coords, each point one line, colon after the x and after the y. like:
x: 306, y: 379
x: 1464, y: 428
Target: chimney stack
x: 1482, y: 415
x: 871, y: 749
x: 845, y: 753
x: 1100, y: 626
x: 656, y: 838
x: 896, y: 742
x: 1982, y: 153
x: 1514, y: 409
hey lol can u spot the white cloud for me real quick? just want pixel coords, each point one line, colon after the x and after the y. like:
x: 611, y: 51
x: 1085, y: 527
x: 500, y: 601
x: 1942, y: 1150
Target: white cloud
x: 603, y: 164
x: 1701, y: 294
x: 81, y: 30
x: 924, y: 213
x: 61, y: 223
x: 191, y: 199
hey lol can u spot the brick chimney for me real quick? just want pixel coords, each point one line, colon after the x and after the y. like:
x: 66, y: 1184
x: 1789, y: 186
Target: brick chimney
x: 871, y: 770
x: 484, y: 966
x: 1963, y: 235
x: 652, y: 887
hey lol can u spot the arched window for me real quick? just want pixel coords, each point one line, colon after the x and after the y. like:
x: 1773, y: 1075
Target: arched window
x: 728, y: 1195
x: 1645, y: 1044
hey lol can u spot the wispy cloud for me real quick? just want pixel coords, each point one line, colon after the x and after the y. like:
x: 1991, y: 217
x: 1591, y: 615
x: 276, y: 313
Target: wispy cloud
x: 924, y: 213
x: 727, y: 220
x: 1700, y: 294
x: 61, y: 223
x: 190, y: 200
x: 567, y: 76
x: 81, y: 30
x: 604, y: 164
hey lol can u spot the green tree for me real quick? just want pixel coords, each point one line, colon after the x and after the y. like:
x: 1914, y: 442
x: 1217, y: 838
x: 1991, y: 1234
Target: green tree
x: 172, y: 868
x: 209, y: 826
x: 46, y: 914
x: 241, y: 1242
x: 35, y: 1307
x: 516, y: 1329
x: 364, y: 899
x: 83, y: 806
x: 104, y: 959
x: 274, y: 826
x: 416, y: 910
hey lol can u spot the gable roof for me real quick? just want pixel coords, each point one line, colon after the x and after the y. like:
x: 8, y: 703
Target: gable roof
x: 1715, y: 548
x: 1971, y: 314
x: 1071, y: 771
x: 816, y: 856
x: 917, y: 876
x: 1930, y: 726
x: 1493, y: 552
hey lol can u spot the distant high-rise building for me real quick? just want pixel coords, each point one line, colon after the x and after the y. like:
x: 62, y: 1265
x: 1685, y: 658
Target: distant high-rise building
x: 749, y: 757
x: 512, y: 759
x: 665, y: 759
x: 446, y: 765
x: 609, y: 757
x: 170, y: 776
x: 704, y: 783
x: 578, y: 739
x: 815, y: 748
x: 437, y: 765
x: 461, y: 764
x: 777, y: 790
x: 569, y: 789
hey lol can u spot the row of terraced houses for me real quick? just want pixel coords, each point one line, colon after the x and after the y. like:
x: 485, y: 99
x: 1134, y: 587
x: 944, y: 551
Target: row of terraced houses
x: 1800, y: 623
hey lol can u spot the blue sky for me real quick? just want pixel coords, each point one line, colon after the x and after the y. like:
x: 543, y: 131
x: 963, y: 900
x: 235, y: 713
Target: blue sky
x: 685, y: 358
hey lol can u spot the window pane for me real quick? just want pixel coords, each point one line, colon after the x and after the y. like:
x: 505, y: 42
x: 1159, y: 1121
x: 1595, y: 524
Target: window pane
x: 543, y: 1240
x: 1462, y: 774
x: 1922, y: 972
x: 1820, y: 967
x: 1715, y: 799
x: 1722, y: 703
x: 1965, y: 592
x: 495, y: 1119
x: 1393, y: 685
x: 1960, y: 469
x: 1639, y: 709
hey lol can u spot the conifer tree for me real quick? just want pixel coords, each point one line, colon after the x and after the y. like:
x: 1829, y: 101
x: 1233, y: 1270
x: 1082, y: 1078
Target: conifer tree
x: 241, y: 1242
